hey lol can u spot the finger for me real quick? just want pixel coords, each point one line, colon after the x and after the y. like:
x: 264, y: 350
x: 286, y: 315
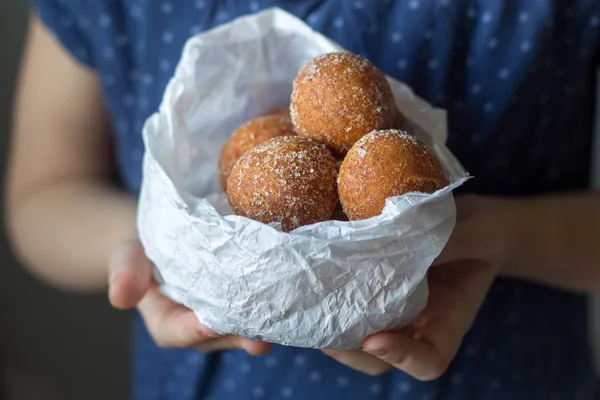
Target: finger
x: 360, y: 361
x: 234, y: 342
x: 471, y: 240
x: 170, y: 324
x: 418, y: 358
x: 130, y: 275
x: 427, y: 352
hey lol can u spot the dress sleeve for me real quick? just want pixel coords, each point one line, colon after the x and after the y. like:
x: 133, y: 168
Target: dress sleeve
x: 70, y: 27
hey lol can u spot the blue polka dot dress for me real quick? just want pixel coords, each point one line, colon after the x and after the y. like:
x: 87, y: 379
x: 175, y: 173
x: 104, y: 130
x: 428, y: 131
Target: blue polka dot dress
x: 517, y: 79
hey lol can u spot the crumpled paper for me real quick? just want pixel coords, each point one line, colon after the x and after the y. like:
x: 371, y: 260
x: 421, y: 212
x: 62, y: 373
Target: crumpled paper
x: 328, y: 285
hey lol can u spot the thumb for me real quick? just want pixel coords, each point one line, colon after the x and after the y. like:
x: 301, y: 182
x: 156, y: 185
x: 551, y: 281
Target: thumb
x: 130, y: 276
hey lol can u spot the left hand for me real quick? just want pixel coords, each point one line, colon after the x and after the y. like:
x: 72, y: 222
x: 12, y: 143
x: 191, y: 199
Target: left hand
x: 458, y: 283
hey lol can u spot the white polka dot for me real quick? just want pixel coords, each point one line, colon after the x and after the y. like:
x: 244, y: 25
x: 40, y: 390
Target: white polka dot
x: 193, y: 359
x: 428, y: 34
x: 414, y: 5
x: 470, y: 350
x: 258, y: 392
x: 121, y: 40
x: 167, y: 36
x: 396, y: 37
x: 402, y: 64
x: 432, y: 64
x: 444, y: 3
x: 271, y: 362
x: 314, y: 376
x: 109, y: 79
x: 594, y: 21
x: 492, y: 43
x: 164, y: 65
x: 486, y: 17
x: 299, y: 360
x: 67, y: 21
x: 359, y: 4
x: 524, y: 17
x: 147, y: 79
x: 195, y: 29
x: 375, y: 388
x: 475, y: 89
x: 166, y: 7
x: 254, y: 6
x: 104, y: 20
x: 245, y: 367
x: 471, y: 13
x: 123, y: 125
x: 525, y: 46
x: 108, y: 52
x: 491, y: 354
x: 343, y: 381
x: 83, y: 23
x: 222, y: 15
x: 229, y: 384
x: 312, y: 18
x: 457, y: 379
x: 488, y: 107
x: 287, y: 392
x: 503, y: 73
x: 338, y: 22
x: 404, y: 387
x: 200, y: 4
x: 128, y: 100
x: 569, y: 90
x: 136, y: 11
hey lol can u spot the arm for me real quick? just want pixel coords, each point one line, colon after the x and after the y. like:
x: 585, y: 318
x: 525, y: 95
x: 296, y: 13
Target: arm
x: 65, y: 216
x: 556, y: 241
x: 67, y: 220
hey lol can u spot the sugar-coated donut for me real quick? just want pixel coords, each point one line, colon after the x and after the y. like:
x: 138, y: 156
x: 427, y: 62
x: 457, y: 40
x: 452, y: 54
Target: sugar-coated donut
x: 385, y: 164
x: 288, y: 179
x: 249, y: 135
x: 338, y: 98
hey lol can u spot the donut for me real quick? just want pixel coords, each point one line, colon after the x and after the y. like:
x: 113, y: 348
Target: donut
x: 384, y: 164
x: 249, y: 135
x: 287, y: 179
x: 337, y: 98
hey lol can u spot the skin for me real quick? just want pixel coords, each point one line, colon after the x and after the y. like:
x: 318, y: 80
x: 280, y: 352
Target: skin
x: 61, y: 175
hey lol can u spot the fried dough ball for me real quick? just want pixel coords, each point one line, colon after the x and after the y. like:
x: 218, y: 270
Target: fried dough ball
x: 385, y: 164
x: 249, y: 135
x: 338, y: 98
x: 288, y: 179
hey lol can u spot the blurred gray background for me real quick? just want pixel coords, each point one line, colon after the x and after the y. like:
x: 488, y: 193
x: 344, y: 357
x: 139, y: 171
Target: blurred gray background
x: 56, y: 346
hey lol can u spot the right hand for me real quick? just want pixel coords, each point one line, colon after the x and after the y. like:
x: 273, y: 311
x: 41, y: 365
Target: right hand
x: 171, y: 325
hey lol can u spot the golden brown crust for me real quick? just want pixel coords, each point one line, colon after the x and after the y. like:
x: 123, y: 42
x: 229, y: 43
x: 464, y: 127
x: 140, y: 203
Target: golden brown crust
x: 249, y: 135
x: 287, y: 179
x: 385, y: 164
x: 338, y: 98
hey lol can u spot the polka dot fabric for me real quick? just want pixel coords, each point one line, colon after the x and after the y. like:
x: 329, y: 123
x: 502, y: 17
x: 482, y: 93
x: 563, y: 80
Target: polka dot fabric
x: 517, y: 81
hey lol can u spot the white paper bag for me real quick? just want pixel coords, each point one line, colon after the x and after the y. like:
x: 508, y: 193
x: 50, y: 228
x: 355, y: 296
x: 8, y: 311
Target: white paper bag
x: 328, y: 285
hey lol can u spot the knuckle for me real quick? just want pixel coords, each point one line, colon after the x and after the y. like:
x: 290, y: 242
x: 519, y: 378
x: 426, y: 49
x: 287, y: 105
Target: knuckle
x: 376, y: 370
x: 435, y: 371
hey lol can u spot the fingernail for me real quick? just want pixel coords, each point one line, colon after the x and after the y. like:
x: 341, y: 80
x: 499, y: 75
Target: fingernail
x: 377, y: 352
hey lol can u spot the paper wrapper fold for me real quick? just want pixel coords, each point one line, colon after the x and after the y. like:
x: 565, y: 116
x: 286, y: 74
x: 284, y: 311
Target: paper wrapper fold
x: 327, y: 285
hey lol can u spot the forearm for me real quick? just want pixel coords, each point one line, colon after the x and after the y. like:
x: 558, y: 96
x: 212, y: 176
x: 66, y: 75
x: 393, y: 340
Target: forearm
x: 66, y: 231
x: 556, y: 240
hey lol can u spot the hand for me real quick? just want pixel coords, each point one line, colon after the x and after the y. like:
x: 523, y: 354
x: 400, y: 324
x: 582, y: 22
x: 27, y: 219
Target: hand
x: 458, y: 284
x: 171, y: 325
